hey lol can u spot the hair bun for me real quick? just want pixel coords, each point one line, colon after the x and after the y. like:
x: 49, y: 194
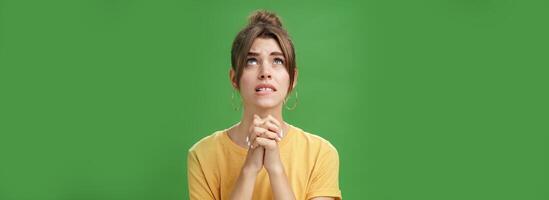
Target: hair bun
x: 263, y: 16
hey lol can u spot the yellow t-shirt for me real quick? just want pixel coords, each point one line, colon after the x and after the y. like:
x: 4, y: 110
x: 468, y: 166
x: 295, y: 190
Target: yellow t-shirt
x: 311, y: 164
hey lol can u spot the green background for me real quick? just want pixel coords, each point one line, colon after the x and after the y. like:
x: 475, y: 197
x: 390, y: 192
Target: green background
x: 423, y: 99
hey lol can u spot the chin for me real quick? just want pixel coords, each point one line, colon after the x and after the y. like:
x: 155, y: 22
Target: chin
x: 267, y: 104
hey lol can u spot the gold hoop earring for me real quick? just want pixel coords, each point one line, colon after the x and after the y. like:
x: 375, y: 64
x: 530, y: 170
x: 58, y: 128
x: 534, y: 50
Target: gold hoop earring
x: 295, y: 102
x: 235, y: 105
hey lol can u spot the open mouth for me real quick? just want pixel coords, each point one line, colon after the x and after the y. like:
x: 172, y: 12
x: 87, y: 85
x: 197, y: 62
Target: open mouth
x: 265, y: 89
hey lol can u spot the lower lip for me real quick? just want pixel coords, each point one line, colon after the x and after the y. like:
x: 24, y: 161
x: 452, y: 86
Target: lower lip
x: 264, y: 92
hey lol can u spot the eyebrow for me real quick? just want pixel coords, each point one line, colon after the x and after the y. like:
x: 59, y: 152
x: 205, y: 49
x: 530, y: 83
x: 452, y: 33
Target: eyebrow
x: 275, y: 53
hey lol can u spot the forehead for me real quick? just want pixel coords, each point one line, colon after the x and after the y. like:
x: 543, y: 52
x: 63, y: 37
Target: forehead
x: 265, y: 46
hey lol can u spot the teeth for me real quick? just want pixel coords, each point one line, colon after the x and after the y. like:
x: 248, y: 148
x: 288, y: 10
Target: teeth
x: 264, y: 89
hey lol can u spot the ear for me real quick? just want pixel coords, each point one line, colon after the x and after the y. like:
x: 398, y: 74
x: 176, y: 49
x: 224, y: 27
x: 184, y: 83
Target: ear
x: 232, y: 78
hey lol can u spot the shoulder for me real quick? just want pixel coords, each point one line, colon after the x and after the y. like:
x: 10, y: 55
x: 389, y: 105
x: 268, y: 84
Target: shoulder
x: 314, y: 141
x: 208, y: 143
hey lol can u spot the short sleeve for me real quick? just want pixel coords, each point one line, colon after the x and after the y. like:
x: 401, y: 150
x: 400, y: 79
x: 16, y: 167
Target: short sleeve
x: 198, y: 185
x: 325, y: 175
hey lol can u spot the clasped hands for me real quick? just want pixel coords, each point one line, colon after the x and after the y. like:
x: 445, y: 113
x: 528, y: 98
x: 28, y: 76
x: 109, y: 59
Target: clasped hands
x: 263, y: 151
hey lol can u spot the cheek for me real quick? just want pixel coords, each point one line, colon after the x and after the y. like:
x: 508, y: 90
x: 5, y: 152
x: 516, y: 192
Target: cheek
x: 246, y: 82
x: 284, y: 79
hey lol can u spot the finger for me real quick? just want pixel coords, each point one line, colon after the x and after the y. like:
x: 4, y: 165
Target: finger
x: 266, y: 133
x: 257, y: 132
x: 251, y: 136
x: 253, y: 133
x: 263, y: 141
x: 261, y: 132
x: 271, y: 135
x: 251, y: 143
x: 257, y: 121
x: 274, y: 128
x: 272, y: 119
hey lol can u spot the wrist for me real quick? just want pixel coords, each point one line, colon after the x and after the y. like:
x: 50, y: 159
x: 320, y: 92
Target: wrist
x: 275, y: 170
x: 250, y: 171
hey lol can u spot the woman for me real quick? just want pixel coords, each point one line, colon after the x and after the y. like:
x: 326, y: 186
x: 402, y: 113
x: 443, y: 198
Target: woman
x: 263, y: 157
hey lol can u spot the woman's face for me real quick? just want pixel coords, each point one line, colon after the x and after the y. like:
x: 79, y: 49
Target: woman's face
x: 265, y: 80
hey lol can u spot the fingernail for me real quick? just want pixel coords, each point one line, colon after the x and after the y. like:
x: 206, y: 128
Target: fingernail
x: 278, y: 139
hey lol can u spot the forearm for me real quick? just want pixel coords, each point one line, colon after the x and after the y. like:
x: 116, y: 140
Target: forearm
x: 280, y: 185
x: 244, y: 186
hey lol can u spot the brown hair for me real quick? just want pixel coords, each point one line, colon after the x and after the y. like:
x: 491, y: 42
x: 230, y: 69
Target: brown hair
x: 262, y: 24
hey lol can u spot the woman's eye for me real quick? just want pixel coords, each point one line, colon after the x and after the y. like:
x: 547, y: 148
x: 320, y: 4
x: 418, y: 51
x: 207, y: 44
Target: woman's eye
x: 279, y: 61
x: 251, y: 61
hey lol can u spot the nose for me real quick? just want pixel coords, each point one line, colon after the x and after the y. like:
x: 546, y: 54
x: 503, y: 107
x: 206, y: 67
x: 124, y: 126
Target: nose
x: 264, y: 73
x: 264, y: 76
